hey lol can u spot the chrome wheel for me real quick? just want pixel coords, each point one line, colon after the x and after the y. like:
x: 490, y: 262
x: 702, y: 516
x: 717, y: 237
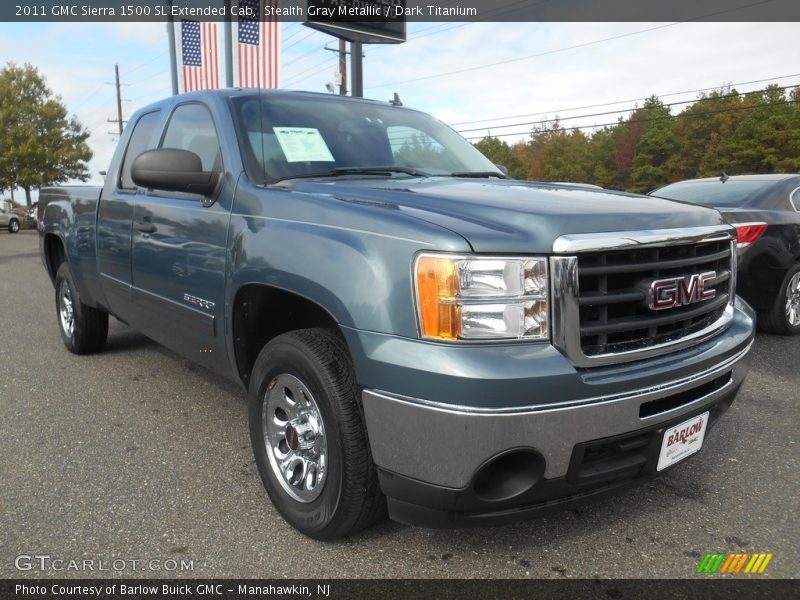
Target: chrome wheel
x: 793, y: 300
x: 66, y: 311
x: 14, y: 226
x: 294, y: 436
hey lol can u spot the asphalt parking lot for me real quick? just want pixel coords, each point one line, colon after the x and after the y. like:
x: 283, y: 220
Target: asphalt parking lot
x: 137, y: 454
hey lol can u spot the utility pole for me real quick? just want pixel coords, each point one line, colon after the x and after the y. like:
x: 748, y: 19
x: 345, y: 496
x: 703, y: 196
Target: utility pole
x: 119, y: 121
x: 228, y: 45
x: 357, y: 66
x: 342, y: 67
x: 173, y: 58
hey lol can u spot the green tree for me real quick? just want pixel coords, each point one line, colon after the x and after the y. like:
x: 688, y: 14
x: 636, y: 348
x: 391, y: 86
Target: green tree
x: 565, y: 157
x: 656, y: 145
x: 500, y: 153
x: 39, y: 144
x: 767, y: 136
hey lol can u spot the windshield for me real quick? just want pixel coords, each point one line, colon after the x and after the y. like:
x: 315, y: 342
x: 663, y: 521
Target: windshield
x: 294, y: 136
x: 731, y: 194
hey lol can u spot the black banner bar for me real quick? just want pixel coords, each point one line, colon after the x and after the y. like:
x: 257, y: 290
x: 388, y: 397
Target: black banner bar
x: 405, y: 589
x: 408, y: 10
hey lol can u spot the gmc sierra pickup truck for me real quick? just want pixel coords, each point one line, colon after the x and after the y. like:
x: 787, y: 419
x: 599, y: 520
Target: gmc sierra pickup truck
x: 416, y: 331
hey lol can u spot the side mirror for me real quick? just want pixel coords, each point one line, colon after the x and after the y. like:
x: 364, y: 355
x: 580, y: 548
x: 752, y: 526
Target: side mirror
x: 173, y: 170
x: 503, y: 169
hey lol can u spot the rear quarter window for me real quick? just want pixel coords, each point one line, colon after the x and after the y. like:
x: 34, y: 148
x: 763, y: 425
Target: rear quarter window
x: 139, y: 142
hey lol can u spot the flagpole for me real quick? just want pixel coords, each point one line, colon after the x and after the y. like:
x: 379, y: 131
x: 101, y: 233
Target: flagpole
x: 173, y: 59
x: 228, y: 45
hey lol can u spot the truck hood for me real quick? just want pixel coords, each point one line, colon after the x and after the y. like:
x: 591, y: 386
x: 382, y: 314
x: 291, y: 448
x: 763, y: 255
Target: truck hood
x: 498, y: 215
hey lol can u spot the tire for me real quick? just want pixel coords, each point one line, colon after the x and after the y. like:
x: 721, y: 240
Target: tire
x: 330, y: 486
x: 784, y: 316
x: 83, y: 329
x: 13, y: 226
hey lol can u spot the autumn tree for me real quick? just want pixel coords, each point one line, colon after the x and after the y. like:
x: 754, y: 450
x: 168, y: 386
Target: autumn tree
x: 39, y: 144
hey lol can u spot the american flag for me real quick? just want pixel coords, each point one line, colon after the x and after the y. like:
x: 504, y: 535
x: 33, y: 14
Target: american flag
x: 200, y: 51
x: 258, y: 46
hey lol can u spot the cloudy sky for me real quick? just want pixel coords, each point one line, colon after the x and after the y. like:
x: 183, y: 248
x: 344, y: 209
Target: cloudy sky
x: 458, y: 72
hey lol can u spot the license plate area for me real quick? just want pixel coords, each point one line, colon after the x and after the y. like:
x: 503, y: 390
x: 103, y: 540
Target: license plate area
x: 682, y: 440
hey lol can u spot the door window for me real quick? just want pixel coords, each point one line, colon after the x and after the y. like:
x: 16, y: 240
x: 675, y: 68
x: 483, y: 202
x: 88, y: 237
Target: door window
x: 192, y: 128
x: 140, y: 138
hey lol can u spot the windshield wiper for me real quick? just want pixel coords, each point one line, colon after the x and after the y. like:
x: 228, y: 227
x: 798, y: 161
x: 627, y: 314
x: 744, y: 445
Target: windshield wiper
x: 389, y: 169
x: 367, y: 170
x: 479, y: 174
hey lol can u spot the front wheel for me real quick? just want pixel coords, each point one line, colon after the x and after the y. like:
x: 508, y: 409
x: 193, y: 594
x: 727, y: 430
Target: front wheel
x: 309, y: 438
x: 784, y: 317
x: 83, y: 329
x: 13, y: 226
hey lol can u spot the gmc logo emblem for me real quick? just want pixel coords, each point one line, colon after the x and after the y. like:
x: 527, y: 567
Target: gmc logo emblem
x: 680, y: 291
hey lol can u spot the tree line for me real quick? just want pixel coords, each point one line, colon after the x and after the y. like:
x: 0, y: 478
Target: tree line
x: 40, y: 144
x: 723, y: 131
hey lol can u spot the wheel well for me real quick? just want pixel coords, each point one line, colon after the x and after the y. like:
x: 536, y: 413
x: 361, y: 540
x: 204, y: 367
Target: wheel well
x: 261, y: 313
x: 54, y: 254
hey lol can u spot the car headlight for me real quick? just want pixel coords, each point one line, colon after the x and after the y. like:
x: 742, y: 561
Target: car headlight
x: 481, y: 298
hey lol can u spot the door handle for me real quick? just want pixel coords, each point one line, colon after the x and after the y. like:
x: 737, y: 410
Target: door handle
x: 144, y: 227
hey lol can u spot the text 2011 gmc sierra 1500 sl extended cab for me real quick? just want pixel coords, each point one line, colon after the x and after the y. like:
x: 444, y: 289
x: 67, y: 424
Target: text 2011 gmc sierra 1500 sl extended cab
x: 416, y: 331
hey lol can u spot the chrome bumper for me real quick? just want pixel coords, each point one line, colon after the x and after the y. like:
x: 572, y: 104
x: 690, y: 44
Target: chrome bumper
x: 445, y: 446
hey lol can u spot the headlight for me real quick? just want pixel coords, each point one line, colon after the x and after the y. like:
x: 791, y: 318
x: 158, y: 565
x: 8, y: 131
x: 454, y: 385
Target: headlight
x: 472, y: 298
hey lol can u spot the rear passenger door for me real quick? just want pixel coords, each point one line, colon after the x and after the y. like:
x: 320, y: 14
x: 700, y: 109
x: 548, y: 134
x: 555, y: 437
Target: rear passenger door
x: 179, y: 243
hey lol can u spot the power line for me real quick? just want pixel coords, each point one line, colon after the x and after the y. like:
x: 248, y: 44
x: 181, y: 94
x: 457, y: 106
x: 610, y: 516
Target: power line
x: 449, y: 26
x: 93, y: 94
x: 305, y: 37
x: 317, y: 72
x: 565, y: 49
x: 527, y: 57
x: 648, y: 119
x: 299, y: 29
x: 302, y: 75
x: 302, y: 56
x: 152, y: 60
x: 622, y: 110
x: 550, y: 112
x: 148, y: 77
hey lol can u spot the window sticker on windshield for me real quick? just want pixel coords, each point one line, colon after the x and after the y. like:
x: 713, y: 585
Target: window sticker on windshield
x: 303, y: 144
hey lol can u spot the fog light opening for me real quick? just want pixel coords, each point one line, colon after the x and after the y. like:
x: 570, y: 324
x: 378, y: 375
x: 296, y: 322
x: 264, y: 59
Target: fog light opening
x: 509, y: 475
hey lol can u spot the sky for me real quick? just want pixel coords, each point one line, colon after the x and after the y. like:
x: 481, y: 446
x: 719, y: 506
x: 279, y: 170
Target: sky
x: 455, y: 71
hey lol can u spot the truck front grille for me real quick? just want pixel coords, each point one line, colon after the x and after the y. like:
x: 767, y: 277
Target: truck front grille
x: 602, y: 296
x: 614, y: 315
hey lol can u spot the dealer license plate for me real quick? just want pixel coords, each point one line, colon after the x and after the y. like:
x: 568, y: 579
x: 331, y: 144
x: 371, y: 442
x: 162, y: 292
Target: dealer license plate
x: 682, y: 440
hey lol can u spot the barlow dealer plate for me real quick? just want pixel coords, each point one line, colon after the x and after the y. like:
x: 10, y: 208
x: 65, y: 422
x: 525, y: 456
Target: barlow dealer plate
x: 682, y: 440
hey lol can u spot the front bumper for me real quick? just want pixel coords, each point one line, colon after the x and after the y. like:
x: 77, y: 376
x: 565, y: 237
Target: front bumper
x: 430, y: 453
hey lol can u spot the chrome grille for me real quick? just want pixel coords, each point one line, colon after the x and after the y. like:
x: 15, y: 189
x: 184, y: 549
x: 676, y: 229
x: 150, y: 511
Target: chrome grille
x: 614, y: 316
x: 600, y: 309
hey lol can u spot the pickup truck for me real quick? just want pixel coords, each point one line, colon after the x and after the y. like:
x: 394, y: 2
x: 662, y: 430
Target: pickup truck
x: 417, y: 332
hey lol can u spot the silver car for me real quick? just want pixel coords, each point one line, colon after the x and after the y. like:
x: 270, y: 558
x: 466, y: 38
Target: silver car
x: 10, y: 220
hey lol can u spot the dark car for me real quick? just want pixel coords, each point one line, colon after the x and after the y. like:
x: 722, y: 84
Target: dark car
x: 765, y: 209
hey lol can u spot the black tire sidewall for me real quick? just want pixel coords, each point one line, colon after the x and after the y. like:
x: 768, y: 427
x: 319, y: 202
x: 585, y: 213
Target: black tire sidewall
x: 287, y: 356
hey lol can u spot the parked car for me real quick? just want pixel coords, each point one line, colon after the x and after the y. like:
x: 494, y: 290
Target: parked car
x: 765, y: 209
x: 9, y: 220
x: 416, y: 331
